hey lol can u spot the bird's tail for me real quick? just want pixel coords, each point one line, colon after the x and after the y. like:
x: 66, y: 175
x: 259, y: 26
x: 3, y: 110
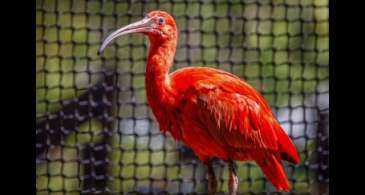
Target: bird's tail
x: 287, y: 148
x: 274, y: 171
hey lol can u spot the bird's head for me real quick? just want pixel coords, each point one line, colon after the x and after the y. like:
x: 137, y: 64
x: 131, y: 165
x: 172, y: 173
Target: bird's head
x: 159, y: 26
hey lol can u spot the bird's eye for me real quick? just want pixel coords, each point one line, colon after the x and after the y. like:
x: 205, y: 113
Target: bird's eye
x: 161, y: 20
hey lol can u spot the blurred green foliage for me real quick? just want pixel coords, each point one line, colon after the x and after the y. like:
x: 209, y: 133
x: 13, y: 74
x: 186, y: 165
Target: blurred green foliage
x: 280, y: 47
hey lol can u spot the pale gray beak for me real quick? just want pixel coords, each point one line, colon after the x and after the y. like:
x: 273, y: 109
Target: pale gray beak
x: 142, y: 26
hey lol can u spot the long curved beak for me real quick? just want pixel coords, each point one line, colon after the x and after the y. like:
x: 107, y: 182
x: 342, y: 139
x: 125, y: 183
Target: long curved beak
x: 142, y: 26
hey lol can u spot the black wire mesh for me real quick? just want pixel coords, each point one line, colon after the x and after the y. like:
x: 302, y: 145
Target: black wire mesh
x: 95, y: 132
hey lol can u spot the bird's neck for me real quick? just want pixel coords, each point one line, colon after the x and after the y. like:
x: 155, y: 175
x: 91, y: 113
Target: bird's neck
x: 160, y: 59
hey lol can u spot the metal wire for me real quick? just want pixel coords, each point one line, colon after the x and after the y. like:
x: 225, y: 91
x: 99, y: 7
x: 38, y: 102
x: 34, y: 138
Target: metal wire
x: 95, y: 132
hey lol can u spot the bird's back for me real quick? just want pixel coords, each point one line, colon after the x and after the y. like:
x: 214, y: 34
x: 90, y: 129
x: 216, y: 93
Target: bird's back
x: 187, y: 78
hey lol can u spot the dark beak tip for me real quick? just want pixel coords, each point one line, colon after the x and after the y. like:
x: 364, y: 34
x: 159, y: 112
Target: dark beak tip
x: 99, y: 52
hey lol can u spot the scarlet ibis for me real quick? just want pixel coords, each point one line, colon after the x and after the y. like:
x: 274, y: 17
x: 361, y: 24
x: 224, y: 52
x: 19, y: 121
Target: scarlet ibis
x: 213, y: 112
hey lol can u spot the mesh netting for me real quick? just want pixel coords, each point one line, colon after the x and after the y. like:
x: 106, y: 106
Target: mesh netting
x: 95, y: 131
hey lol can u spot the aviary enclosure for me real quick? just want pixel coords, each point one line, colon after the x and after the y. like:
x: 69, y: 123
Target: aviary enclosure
x: 95, y: 132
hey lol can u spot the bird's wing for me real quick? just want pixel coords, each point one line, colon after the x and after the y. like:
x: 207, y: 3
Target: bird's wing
x: 236, y: 115
x: 235, y: 119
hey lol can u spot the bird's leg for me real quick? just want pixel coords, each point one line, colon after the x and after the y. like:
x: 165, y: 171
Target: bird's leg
x: 212, y: 181
x: 233, y: 179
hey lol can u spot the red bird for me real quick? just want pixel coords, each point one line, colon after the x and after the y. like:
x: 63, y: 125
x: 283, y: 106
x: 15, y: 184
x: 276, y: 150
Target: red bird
x: 213, y: 112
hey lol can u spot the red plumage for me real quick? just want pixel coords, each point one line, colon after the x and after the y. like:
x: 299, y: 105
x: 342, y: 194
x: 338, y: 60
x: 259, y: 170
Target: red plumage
x: 212, y: 111
x: 219, y: 110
